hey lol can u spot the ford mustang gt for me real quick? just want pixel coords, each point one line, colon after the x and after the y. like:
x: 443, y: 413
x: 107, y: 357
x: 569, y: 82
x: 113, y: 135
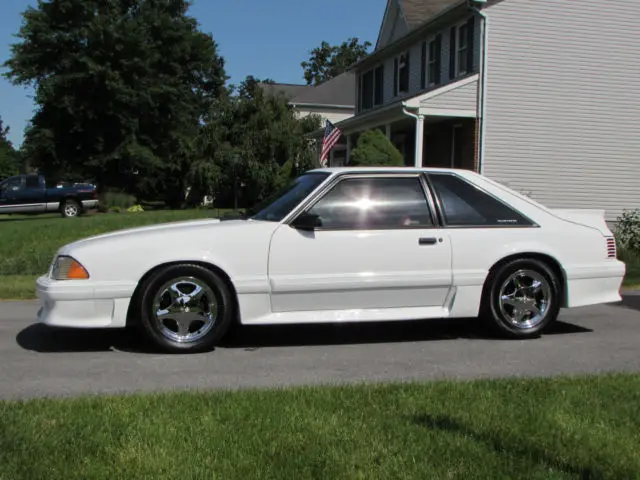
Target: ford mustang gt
x: 342, y: 245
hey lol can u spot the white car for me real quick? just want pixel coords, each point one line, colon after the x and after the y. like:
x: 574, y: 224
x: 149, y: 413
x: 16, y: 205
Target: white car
x: 342, y: 245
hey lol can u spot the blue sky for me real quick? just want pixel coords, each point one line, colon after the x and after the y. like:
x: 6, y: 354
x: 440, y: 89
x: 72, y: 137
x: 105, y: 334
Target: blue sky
x: 264, y: 38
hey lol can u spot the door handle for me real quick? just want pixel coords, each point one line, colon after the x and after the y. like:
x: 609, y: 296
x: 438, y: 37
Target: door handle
x: 427, y: 241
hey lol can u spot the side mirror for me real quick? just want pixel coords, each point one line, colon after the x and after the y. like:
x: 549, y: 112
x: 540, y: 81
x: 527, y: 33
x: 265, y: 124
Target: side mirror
x: 307, y: 221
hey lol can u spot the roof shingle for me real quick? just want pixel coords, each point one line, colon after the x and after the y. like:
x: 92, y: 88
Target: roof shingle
x: 417, y: 12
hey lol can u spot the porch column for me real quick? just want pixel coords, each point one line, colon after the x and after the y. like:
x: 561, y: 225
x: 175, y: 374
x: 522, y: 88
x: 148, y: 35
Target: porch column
x: 388, y: 131
x: 419, y: 140
x: 348, y: 158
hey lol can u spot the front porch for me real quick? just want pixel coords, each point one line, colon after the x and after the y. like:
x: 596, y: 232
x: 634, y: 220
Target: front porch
x: 435, y: 129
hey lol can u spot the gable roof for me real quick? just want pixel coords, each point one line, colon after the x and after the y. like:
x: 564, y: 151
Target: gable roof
x: 289, y: 90
x: 418, y: 12
x: 339, y: 91
x: 336, y: 92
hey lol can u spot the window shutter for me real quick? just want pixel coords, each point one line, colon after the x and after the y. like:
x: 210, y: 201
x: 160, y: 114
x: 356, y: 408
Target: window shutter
x: 423, y: 66
x: 407, y: 74
x: 452, y: 53
x: 438, y: 41
x: 470, y: 38
x: 395, y: 76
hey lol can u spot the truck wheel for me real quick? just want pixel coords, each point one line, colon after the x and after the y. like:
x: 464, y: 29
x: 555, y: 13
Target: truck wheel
x: 70, y: 208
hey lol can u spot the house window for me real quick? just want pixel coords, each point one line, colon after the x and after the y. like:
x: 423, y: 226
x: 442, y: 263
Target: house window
x: 401, y: 74
x: 372, y: 88
x: 462, y: 46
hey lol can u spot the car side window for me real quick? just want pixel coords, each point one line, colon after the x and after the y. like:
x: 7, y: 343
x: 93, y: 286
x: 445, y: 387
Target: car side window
x: 374, y: 203
x: 463, y: 204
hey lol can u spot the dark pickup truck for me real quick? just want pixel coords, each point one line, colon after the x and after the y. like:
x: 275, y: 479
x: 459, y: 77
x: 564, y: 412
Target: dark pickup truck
x: 31, y: 194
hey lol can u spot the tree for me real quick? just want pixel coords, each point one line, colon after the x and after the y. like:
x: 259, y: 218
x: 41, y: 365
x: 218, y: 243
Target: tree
x: 121, y: 90
x: 375, y: 149
x: 251, y: 143
x: 9, y: 157
x: 327, y: 61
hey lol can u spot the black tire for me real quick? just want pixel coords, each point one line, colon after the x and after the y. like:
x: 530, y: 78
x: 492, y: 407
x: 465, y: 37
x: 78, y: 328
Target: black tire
x: 157, y: 332
x: 70, y: 208
x: 498, y: 317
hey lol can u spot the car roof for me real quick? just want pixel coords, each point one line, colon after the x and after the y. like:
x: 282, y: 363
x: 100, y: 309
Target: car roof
x: 384, y: 169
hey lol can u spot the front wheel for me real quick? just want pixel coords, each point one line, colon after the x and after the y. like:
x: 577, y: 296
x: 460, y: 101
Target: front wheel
x: 185, y: 308
x: 522, y: 298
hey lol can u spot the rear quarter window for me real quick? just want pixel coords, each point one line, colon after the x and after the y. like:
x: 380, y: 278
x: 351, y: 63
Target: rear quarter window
x: 465, y: 205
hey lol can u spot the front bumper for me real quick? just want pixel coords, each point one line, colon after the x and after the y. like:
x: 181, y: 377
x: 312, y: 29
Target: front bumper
x: 83, y: 303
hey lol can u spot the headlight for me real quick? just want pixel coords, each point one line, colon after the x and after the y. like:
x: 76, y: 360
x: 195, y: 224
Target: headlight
x: 68, y: 268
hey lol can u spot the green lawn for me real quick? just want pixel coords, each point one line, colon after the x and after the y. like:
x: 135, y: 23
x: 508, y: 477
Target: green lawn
x: 28, y: 243
x: 586, y: 427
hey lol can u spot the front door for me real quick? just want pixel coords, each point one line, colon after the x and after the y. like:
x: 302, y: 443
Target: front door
x: 377, y: 247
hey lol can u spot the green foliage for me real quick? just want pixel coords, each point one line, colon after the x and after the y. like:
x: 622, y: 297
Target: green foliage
x: 375, y: 149
x: 135, y: 209
x: 9, y: 157
x: 329, y: 61
x: 121, y: 88
x: 120, y: 200
x: 627, y: 230
x: 246, y: 140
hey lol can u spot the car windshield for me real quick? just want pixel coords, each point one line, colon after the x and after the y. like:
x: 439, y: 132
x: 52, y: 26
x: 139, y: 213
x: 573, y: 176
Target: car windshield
x: 278, y: 205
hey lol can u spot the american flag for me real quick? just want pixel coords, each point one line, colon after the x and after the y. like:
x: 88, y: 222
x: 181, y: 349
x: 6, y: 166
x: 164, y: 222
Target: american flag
x: 331, y: 136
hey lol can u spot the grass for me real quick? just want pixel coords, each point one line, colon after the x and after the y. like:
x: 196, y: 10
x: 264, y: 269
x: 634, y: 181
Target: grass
x: 582, y: 427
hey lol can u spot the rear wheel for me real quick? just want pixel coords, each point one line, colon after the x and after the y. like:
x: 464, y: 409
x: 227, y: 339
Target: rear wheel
x: 70, y: 208
x: 185, y: 308
x: 522, y: 298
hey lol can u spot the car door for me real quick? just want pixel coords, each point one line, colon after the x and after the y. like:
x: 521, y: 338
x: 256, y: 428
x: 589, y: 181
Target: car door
x: 31, y: 197
x: 10, y: 199
x: 376, y: 246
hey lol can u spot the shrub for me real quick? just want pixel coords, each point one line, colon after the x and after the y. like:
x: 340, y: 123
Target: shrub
x: 117, y: 199
x: 114, y: 209
x: 135, y: 209
x: 627, y: 230
x: 375, y: 149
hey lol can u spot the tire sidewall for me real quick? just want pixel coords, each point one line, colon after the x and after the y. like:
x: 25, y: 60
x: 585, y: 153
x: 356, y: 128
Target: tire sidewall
x: 501, y: 274
x: 64, y: 208
x: 151, y: 327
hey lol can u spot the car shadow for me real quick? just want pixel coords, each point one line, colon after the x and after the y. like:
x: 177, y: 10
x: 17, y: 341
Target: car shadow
x: 41, y: 338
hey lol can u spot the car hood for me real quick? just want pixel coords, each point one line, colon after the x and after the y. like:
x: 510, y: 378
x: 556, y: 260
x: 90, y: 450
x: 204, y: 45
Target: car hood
x: 162, y: 232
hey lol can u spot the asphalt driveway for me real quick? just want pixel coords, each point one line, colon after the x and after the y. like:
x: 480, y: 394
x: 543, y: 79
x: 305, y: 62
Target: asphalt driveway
x: 40, y: 361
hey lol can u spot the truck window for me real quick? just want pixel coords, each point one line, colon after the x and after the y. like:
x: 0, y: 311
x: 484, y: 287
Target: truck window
x: 33, y: 181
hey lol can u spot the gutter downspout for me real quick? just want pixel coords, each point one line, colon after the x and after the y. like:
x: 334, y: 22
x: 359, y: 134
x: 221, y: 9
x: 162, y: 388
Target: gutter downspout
x: 483, y: 80
x: 417, y: 161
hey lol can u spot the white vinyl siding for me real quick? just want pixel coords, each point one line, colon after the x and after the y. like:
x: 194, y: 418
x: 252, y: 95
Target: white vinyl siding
x: 461, y: 98
x: 563, y: 102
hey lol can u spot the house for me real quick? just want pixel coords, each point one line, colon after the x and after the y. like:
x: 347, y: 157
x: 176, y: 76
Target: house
x: 333, y: 100
x: 541, y: 95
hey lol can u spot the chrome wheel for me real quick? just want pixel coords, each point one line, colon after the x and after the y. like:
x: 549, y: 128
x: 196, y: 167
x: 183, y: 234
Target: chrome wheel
x: 186, y: 309
x: 525, y: 298
x: 71, y: 209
